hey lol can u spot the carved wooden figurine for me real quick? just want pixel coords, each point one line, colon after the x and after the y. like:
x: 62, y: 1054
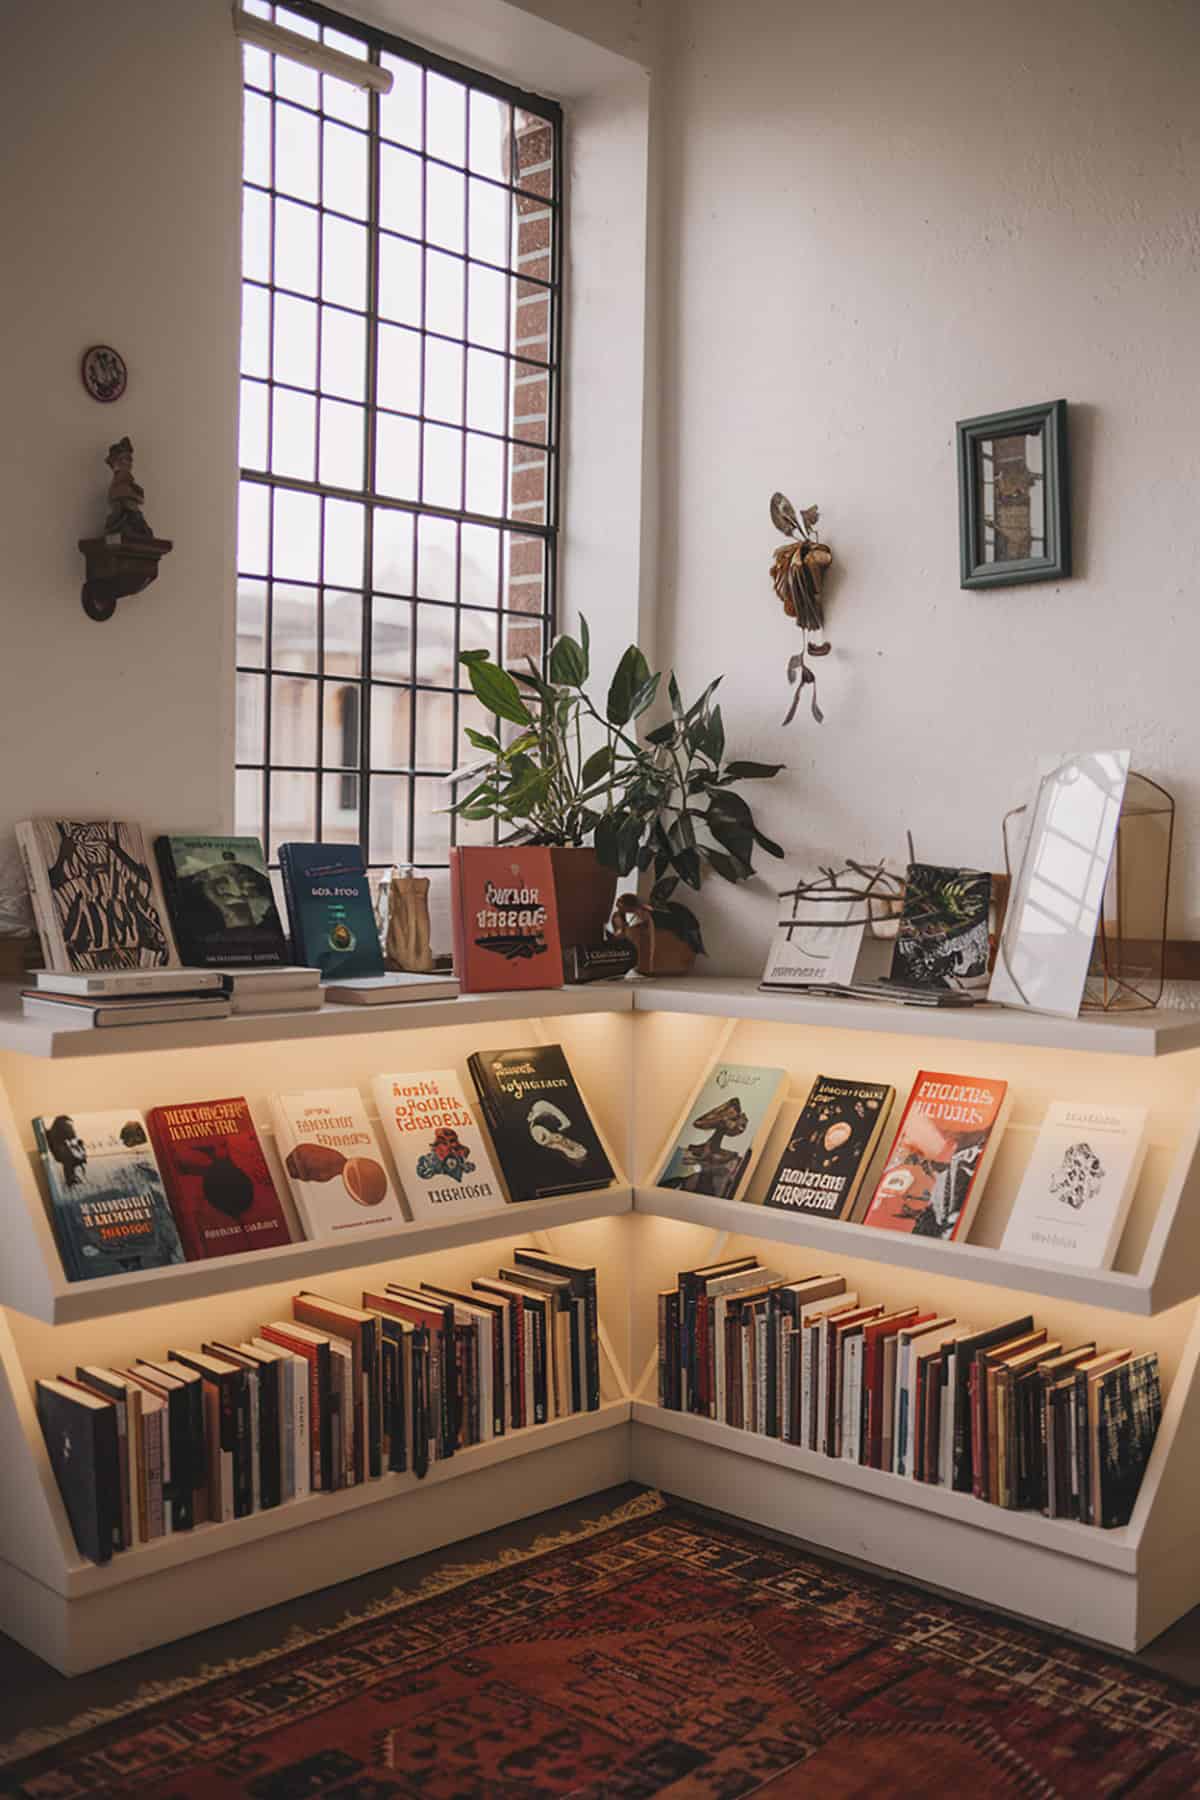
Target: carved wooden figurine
x: 125, y: 560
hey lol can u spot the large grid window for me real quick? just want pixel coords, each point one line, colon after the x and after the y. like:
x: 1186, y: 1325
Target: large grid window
x: 399, y: 403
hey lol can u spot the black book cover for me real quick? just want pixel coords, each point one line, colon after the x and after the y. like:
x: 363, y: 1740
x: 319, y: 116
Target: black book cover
x: 447, y: 1347
x: 233, y: 1386
x: 583, y: 1286
x: 391, y: 1362
x: 221, y: 903
x: 419, y: 1399
x: 830, y: 1147
x: 270, y: 1419
x: 514, y: 1315
x: 183, y: 1399
x: 81, y: 1440
x: 1130, y: 1401
x: 942, y: 940
x: 538, y: 1306
x: 964, y: 1353
x: 498, y: 1314
x: 557, y: 1289
x: 544, y: 1139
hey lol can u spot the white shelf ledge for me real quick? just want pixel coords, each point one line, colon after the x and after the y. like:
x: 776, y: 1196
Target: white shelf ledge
x: 86, y: 1578
x: 1157, y: 1033
x: 109, y: 1294
x: 1088, y: 1543
x: 963, y: 1262
x: 39, y: 1037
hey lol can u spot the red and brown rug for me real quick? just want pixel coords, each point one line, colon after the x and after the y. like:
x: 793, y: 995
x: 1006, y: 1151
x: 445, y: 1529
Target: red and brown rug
x: 650, y: 1653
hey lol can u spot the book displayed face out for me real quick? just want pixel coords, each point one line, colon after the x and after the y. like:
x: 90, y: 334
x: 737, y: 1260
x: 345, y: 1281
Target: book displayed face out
x: 334, y: 1164
x: 217, y: 1177
x: 727, y: 1120
x: 936, y: 1169
x: 221, y: 902
x: 109, y: 1206
x: 831, y: 1147
x: 1079, y: 1184
x: 96, y: 896
x: 545, y: 1140
x: 440, y: 1152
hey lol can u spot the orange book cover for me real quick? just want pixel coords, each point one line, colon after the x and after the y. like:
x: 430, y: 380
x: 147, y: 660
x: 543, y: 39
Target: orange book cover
x: 935, y: 1172
x: 504, y: 918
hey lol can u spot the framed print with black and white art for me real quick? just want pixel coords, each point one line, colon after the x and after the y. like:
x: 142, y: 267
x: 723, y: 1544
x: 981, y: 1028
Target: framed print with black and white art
x: 1013, y: 498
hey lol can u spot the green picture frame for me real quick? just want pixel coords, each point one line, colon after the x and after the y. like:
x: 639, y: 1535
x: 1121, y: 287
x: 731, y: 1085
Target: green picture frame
x: 1014, y: 513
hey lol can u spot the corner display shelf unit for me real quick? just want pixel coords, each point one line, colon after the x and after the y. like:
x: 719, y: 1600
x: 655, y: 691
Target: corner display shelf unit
x: 638, y: 1050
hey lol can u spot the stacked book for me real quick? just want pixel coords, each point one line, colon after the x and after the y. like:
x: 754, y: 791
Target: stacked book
x: 1010, y: 1413
x: 329, y: 1398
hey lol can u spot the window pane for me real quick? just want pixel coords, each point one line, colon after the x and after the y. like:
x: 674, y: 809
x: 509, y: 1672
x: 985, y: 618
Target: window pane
x: 443, y: 380
x: 487, y: 384
x: 435, y: 646
x: 251, y: 718
x: 343, y: 543
x: 396, y: 448
x: 293, y: 627
x: 247, y: 806
x: 445, y: 198
x: 391, y: 637
x: 343, y: 353
x: 400, y: 280
x: 295, y: 358
x: 443, y: 293
x: 485, y: 475
x: 445, y: 118
x: 435, y: 732
x: 251, y: 623
x: 339, y: 809
x: 344, y: 170
x: 293, y: 434
x: 431, y: 823
x: 477, y: 631
x: 399, y: 369
x: 400, y: 191
x: 297, y: 536
x: 256, y: 330
x: 480, y: 565
x: 342, y: 427
x: 389, y: 820
x: 254, y: 503
x: 437, y: 555
x: 295, y: 153
x: 400, y: 111
x: 391, y: 727
x: 393, y: 554
x: 491, y: 125
x: 343, y: 633
x: 256, y: 235
x: 252, y: 432
x: 489, y: 222
x: 344, y: 262
x: 295, y: 247
x: 442, y: 466
x: 293, y: 810
x: 342, y: 718
x: 338, y: 97
x: 487, y: 308
x: 293, y: 720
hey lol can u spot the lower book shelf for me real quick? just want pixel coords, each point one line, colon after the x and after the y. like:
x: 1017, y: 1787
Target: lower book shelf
x: 87, y: 1578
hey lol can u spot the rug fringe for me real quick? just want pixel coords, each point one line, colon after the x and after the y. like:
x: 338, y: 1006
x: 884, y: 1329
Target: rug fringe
x: 439, y: 1582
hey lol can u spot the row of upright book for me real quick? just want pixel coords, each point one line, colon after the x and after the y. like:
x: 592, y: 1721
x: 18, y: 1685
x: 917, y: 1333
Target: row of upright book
x: 1073, y: 1200
x: 1011, y: 1412
x: 191, y: 1180
x: 332, y: 1397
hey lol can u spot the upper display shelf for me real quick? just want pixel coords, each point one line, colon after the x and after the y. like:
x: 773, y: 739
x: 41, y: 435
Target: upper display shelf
x: 1158, y: 1033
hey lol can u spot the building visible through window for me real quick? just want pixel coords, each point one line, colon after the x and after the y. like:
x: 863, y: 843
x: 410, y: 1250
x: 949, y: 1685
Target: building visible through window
x: 399, y: 404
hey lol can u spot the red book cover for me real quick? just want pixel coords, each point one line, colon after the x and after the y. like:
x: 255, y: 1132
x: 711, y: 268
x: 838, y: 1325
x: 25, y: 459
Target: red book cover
x: 505, y: 919
x: 934, y: 1175
x: 217, y: 1178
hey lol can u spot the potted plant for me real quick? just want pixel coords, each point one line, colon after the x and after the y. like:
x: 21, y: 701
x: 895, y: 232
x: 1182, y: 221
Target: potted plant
x: 579, y: 780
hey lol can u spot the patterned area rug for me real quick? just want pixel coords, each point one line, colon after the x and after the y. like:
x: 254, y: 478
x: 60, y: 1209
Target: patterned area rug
x: 650, y: 1653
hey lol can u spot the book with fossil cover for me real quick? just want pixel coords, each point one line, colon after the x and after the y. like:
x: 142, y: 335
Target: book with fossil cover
x: 440, y: 1153
x: 218, y: 1182
x: 334, y: 1164
x: 544, y: 1139
x: 221, y: 902
x: 1079, y: 1184
x: 942, y: 939
x: 504, y: 918
x: 97, y: 899
x: 831, y: 1147
x: 108, y: 1204
x: 724, y: 1128
x: 939, y: 1162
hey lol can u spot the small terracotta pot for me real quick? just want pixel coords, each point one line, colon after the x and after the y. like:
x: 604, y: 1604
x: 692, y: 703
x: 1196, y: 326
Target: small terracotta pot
x: 583, y: 893
x: 659, y: 951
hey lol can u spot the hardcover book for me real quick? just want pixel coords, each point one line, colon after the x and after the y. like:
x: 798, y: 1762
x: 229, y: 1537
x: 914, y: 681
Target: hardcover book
x: 726, y: 1125
x: 81, y: 1439
x: 1075, y: 1197
x: 217, y: 1177
x: 543, y: 1137
x: 505, y: 919
x: 109, y: 1208
x: 334, y: 1165
x: 221, y: 903
x: 935, y: 1173
x: 821, y: 947
x: 440, y: 1153
x: 329, y: 909
x: 942, y: 940
x: 1129, y: 1410
x: 831, y: 1147
x: 96, y: 896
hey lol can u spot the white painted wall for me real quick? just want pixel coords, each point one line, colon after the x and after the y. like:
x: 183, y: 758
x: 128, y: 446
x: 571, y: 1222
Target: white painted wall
x: 880, y: 219
x: 120, y: 134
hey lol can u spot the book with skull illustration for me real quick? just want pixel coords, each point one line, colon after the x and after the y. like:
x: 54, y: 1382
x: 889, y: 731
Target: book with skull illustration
x: 942, y: 938
x: 218, y: 1182
x: 334, y: 1165
x: 440, y: 1153
x: 723, y: 1130
x: 109, y: 1211
x: 97, y: 899
x: 544, y: 1140
x: 1076, y: 1193
x: 939, y: 1163
x: 831, y: 1147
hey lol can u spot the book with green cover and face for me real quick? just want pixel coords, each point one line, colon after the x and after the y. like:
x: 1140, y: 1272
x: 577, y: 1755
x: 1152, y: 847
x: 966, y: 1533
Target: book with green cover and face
x: 723, y: 1130
x: 221, y: 902
x: 831, y: 1147
x: 109, y: 1206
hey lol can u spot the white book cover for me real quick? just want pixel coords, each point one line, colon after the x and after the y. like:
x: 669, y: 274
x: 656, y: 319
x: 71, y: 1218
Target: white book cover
x: 441, y: 1154
x: 821, y: 947
x: 850, y: 1421
x: 1075, y: 1198
x: 334, y: 1164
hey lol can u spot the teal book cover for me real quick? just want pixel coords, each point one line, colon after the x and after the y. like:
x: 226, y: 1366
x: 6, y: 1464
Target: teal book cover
x: 110, y: 1212
x: 726, y: 1126
x: 329, y: 908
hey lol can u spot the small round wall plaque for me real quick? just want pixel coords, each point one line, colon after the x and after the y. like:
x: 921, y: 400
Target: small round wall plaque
x: 104, y: 372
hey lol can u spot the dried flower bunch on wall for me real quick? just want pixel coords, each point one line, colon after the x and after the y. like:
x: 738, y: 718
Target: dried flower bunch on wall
x: 798, y: 573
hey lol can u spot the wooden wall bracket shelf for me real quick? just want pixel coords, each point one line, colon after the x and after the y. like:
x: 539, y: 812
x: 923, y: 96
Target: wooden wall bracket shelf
x: 116, y: 568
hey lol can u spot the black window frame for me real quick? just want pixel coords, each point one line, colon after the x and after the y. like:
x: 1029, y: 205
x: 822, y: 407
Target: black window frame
x: 378, y: 42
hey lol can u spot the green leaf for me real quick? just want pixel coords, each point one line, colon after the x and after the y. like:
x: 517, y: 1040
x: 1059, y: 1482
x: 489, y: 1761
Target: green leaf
x: 724, y: 865
x: 662, y: 890
x: 597, y: 765
x: 604, y: 842
x: 751, y: 771
x: 687, y: 866
x: 467, y: 657
x: 675, y: 696
x: 714, y: 738
x: 738, y: 841
x: 568, y: 663
x: 694, y: 711
x: 629, y: 836
x: 482, y: 741
x: 682, y: 921
x: 496, y: 690
x: 644, y: 697
x: 662, y: 734
x: 632, y: 673
x: 585, y: 644
x: 724, y: 804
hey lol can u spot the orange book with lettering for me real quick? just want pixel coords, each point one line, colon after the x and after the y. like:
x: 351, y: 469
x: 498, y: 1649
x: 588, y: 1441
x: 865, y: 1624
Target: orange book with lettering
x: 936, y: 1170
x: 505, y: 919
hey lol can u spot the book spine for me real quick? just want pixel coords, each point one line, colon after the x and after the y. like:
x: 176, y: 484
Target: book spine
x: 540, y: 1370
x: 45, y: 918
x: 422, y: 1424
x: 156, y: 1524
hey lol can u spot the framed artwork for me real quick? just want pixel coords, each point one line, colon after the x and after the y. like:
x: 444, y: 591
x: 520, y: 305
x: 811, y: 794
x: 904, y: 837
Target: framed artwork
x: 1014, y: 516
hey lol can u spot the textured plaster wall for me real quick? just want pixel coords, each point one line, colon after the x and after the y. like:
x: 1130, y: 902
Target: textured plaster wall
x: 878, y: 220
